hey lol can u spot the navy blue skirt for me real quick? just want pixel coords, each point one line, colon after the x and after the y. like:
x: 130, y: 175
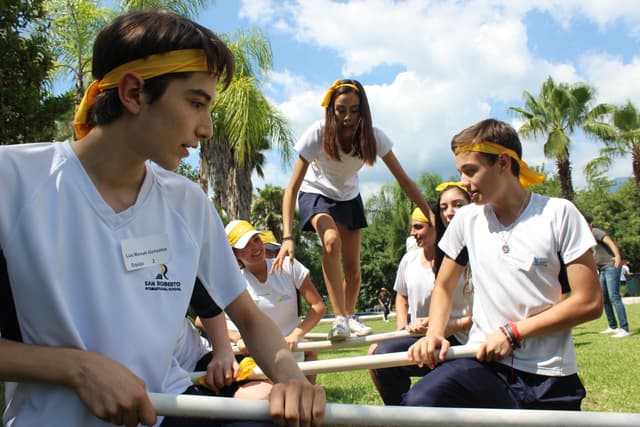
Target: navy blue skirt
x: 349, y: 213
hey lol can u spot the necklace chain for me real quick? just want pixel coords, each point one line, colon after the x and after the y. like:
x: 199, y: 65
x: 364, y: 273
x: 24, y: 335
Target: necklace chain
x: 505, y: 242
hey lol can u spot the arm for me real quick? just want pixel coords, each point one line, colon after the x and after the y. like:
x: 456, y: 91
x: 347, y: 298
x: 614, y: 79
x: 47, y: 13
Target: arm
x: 584, y: 303
x: 402, y: 311
x: 607, y: 240
x: 407, y: 185
x: 222, y: 368
x: 292, y: 398
x: 108, y: 389
x: 317, y: 309
x: 288, y: 212
x: 432, y: 349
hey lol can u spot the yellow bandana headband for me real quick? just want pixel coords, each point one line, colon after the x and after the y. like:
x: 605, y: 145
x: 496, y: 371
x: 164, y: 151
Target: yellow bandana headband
x: 419, y: 216
x: 239, y: 229
x: 443, y: 186
x: 176, y: 61
x: 332, y: 88
x: 527, y: 176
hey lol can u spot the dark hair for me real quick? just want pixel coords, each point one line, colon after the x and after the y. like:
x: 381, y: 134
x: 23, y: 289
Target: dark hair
x: 491, y: 130
x: 440, y: 227
x: 364, y: 138
x: 143, y: 33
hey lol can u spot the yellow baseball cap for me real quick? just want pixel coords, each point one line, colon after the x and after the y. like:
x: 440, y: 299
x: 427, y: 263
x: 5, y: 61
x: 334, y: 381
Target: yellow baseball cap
x: 239, y: 232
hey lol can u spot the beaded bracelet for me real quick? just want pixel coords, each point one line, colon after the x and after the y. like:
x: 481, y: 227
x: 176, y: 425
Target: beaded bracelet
x: 507, y: 336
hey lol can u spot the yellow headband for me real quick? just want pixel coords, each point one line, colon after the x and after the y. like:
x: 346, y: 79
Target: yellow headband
x: 443, y: 186
x: 239, y: 229
x: 527, y: 176
x: 332, y: 88
x: 419, y: 216
x: 176, y: 61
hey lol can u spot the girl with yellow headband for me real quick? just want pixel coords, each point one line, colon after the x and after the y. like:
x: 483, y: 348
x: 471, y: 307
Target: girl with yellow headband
x: 413, y: 286
x: 325, y: 180
x: 518, y: 243
x: 112, y: 244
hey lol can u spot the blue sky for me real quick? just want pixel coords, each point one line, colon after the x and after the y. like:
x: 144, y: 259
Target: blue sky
x: 432, y: 68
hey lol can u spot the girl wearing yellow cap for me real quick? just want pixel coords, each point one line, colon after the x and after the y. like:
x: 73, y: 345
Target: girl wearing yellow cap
x: 274, y: 291
x: 517, y: 244
x: 331, y: 152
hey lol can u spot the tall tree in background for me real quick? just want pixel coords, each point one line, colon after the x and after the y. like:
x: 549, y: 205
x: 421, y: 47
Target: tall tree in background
x: 245, y: 125
x: 626, y: 121
x: 266, y: 210
x: 27, y: 108
x: 190, y: 9
x: 555, y: 114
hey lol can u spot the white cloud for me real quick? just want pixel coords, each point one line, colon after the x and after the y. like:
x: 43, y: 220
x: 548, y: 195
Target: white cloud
x: 460, y: 62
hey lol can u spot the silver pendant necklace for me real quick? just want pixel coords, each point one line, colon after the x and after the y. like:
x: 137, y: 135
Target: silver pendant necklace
x: 505, y: 242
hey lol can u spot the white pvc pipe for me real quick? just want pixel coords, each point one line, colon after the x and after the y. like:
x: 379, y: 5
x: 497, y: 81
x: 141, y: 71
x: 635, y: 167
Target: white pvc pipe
x: 376, y: 316
x: 349, y: 342
x: 374, y: 361
x: 370, y: 415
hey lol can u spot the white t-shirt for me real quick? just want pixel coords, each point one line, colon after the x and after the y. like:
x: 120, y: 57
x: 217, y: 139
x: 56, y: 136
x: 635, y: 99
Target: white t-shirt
x: 190, y: 347
x: 337, y: 180
x: 415, y: 281
x: 67, y: 268
x: 624, y: 272
x: 277, y: 296
x: 524, y: 282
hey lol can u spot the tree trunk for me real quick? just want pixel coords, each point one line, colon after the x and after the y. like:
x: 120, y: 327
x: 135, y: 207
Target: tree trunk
x: 564, y: 174
x: 635, y: 158
x: 231, y: 185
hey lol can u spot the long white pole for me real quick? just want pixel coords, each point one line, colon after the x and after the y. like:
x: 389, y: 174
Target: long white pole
x: 369, y: 415
x: 374, y: 361
x: 349, y: 342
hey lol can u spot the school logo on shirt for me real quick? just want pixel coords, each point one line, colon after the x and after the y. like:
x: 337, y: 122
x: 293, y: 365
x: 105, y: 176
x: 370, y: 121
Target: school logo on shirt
x: 162, y: 281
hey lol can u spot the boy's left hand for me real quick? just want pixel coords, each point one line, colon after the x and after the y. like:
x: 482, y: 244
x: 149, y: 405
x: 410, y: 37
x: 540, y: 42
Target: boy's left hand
x: 297, y: 403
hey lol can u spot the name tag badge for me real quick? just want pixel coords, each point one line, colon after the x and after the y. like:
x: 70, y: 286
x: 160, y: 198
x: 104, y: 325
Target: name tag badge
x: 146, y: 251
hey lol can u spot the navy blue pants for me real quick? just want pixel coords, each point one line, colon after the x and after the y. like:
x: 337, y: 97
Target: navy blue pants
x: 468, y: 383
x: 394, y: 382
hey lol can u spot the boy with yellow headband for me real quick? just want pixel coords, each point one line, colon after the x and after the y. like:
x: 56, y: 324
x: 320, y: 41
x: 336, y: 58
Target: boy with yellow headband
x: 102, y: 247
x: 517, y: 244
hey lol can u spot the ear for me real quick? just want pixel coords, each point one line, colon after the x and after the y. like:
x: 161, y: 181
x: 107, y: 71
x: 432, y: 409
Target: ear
x: 130, y: 91
x: 504, y: 161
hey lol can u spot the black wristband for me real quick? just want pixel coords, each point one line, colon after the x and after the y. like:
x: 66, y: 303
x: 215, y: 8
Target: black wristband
x: 284, y: 239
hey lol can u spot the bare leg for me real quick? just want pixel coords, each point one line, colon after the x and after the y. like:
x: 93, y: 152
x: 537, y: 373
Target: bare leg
x: 329, y: 235
x: 351, y: 240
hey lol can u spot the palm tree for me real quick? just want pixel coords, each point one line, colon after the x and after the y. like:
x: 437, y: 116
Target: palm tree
x: 245, y: 125
x: 266, y: 212
x: 626, y: 122
x: 556, y: 113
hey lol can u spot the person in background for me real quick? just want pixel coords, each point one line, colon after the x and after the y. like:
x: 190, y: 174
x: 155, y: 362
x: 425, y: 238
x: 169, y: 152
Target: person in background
x: 608, y: 260
x: 325, y: 178
x: 625, y: 272
x: 517, y: 243
x: 413, y: 286
x: 103, y: 243
x: 274, y: 291
x: 384, y: 299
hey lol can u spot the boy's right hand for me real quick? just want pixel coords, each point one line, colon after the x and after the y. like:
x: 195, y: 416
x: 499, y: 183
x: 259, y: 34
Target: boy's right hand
x: 111, y: 391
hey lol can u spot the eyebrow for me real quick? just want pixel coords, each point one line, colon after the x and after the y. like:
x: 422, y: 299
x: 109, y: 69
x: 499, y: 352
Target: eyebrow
x: 200, y: 92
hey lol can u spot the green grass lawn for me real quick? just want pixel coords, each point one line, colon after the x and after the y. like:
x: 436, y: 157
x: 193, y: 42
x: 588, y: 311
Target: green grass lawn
x: 607, y: 366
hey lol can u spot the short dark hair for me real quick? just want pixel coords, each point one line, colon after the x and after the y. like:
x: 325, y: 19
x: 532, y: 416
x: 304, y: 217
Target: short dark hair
x: 491, y: 130
x: 143, y: 33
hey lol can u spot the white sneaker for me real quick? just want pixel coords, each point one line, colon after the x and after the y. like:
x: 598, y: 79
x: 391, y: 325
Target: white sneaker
x: 621, y: 334
x: 358, y: 327
x: 340, y: 329
x: 611, y: 331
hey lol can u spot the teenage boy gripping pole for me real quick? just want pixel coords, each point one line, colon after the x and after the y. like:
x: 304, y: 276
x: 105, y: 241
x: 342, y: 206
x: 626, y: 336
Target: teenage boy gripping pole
x: 102, y: 248
x: 518, y: 243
